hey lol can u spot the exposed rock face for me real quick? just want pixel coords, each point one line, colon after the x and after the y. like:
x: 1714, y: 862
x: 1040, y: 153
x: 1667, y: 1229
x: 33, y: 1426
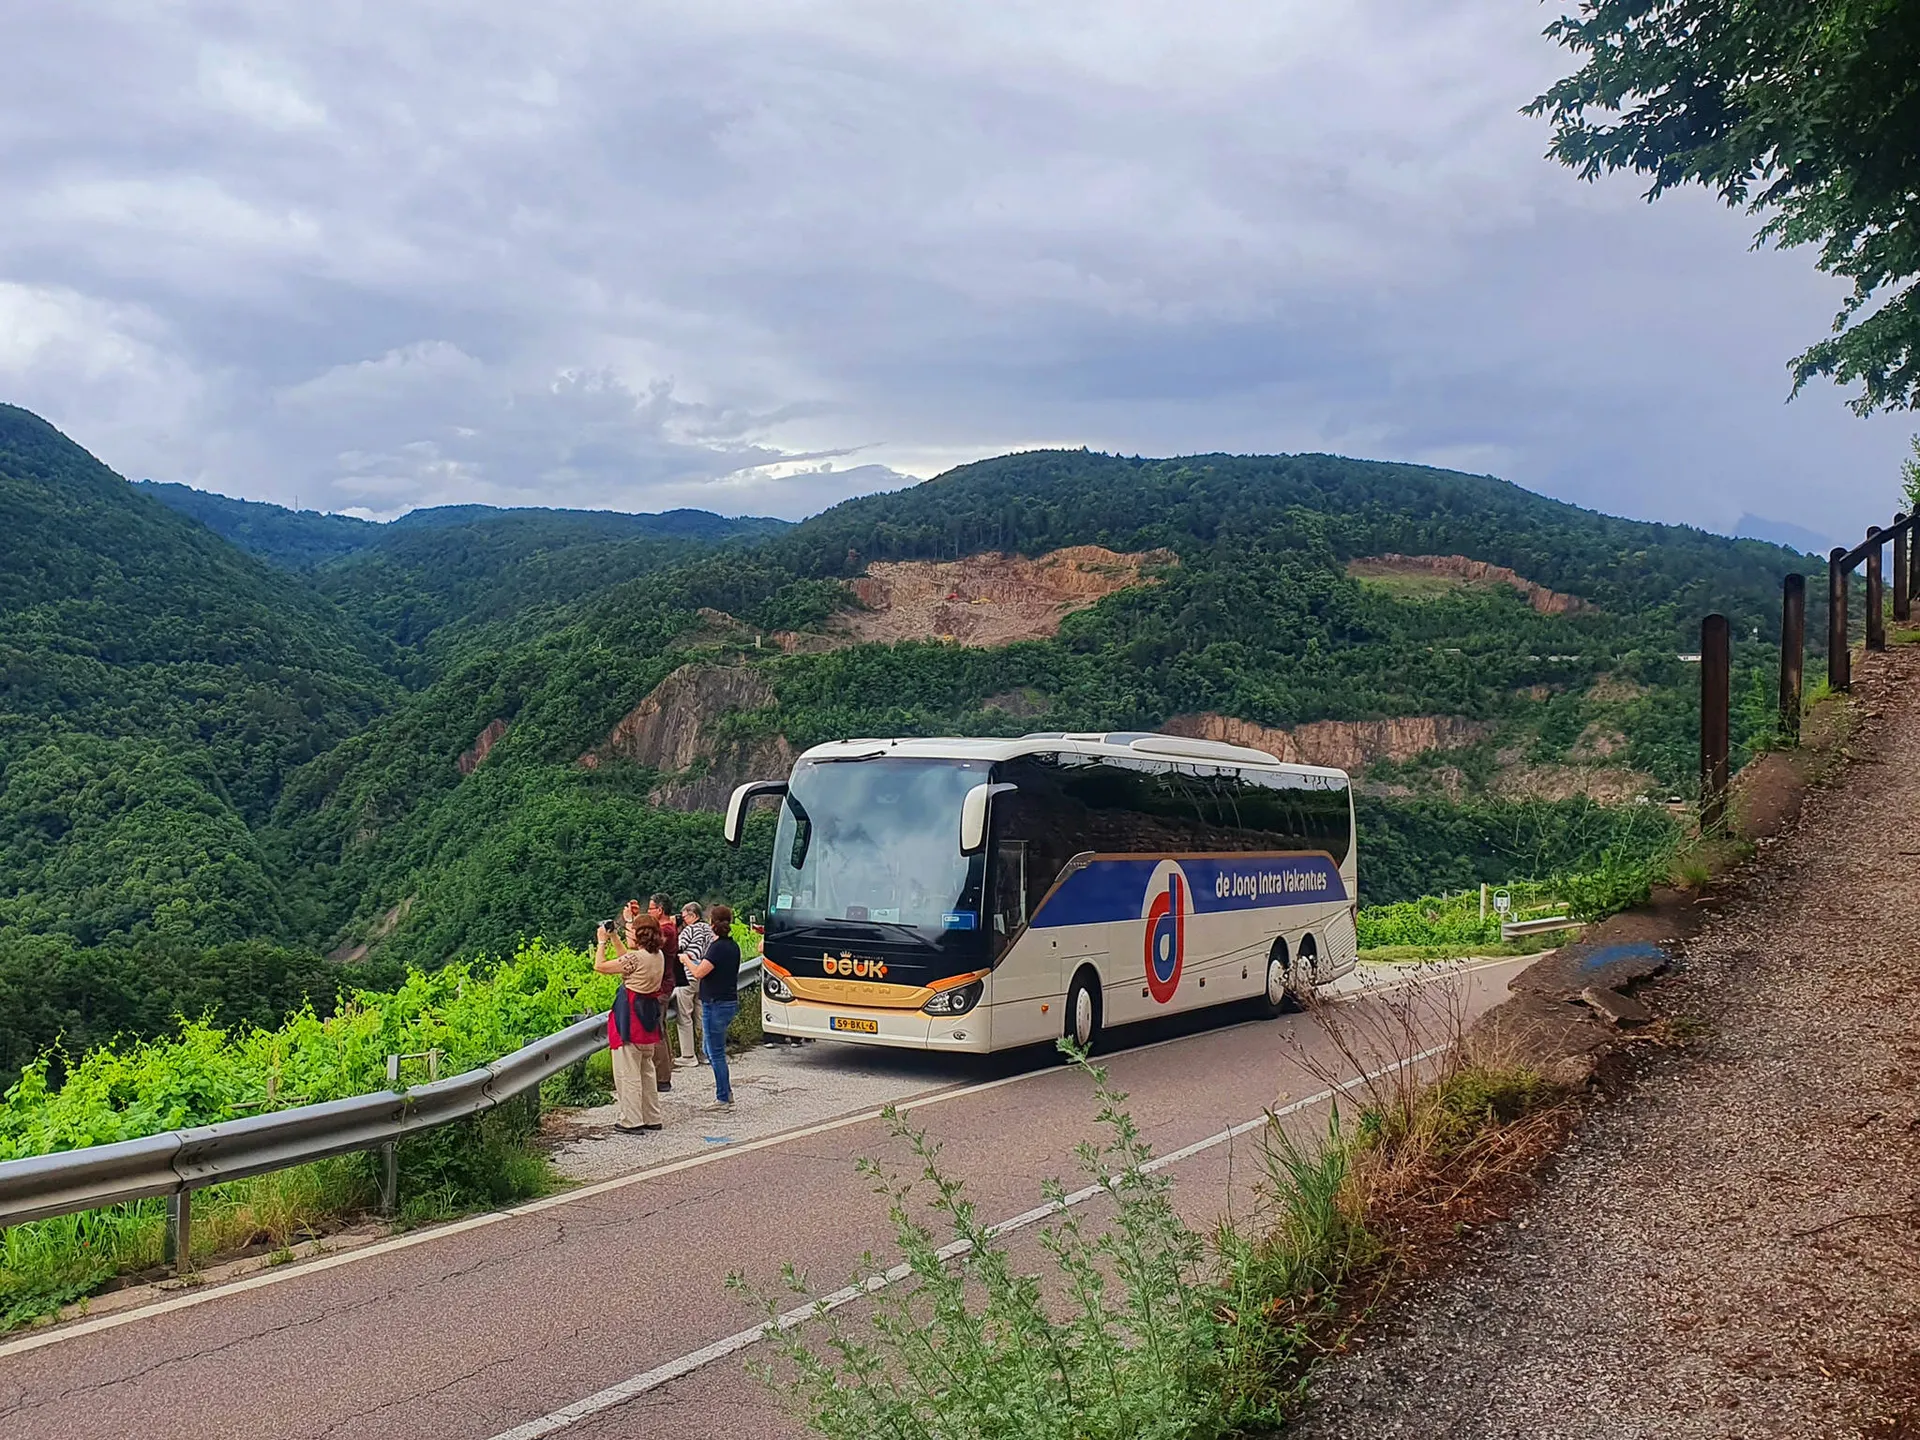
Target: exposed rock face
x: 674, y: 731
x: 352, y: 951
x: 1349, y: 745
x: 1471, y: 572
x: 805, y: 642
x: 483, y: 743
x: 1604, y: 784
x: 988, y: 600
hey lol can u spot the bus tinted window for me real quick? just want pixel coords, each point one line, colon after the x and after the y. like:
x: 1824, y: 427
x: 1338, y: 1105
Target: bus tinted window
x: 1068, y: 804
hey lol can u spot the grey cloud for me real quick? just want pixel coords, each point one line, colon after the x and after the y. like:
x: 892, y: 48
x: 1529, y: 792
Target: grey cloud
x: 397, y: 255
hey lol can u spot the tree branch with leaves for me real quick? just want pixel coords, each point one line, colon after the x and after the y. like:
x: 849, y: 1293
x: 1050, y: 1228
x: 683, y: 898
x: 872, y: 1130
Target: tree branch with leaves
x: 1804, y: 112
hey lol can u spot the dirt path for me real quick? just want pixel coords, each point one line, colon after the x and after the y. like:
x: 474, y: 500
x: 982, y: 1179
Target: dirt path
x: 1733, y: 1247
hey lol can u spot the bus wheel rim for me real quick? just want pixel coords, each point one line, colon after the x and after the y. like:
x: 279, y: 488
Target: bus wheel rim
x: 1083, y: 1016
x: 1276, y: 981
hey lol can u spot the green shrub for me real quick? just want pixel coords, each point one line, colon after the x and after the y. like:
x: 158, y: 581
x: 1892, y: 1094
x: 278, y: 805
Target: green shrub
x: 1621, y: 881
x: 1150, y: 1330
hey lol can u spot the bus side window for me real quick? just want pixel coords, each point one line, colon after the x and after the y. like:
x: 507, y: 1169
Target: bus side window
x: 1009, y: 890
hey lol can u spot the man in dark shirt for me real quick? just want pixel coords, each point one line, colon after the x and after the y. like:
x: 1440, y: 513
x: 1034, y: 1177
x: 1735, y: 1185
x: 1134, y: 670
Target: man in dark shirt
x: 718, y: 973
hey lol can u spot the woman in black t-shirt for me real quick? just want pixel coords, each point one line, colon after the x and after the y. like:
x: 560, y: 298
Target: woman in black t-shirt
x: 718, y: 974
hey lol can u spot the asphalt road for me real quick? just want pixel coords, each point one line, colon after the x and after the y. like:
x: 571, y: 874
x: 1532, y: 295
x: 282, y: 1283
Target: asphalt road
x: 614, y: 1295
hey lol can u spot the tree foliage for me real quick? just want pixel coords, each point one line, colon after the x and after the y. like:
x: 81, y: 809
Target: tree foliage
x: 1806, y: 112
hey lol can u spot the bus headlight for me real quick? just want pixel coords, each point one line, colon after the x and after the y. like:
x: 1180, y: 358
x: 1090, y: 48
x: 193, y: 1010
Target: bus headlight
x: 957, y: 1001
x: 774, y: 987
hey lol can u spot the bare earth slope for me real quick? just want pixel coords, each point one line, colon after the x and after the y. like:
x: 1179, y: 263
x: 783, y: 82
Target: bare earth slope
x: 989, y: 600
x: 1733, y: 1249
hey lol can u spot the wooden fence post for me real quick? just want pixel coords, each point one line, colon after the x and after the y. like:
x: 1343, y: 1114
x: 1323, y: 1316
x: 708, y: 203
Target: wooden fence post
x: 1902, y: 576
x: 1839, y: 660
x: 1793, y: 650
x: 1876, y: 596
x: 1716, y: 684
x: 1913, y: 569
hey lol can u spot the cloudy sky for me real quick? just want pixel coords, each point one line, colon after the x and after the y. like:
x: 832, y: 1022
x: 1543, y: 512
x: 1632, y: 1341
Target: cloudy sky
x: 759, y: 256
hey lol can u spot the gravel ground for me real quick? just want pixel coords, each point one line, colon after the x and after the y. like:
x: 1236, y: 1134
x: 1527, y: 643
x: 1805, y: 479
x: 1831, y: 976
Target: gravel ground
x: 1732, y: 1247
x: 775, y: 1088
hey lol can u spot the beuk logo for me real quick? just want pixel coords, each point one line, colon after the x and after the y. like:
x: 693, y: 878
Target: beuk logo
x: 1168, y: 902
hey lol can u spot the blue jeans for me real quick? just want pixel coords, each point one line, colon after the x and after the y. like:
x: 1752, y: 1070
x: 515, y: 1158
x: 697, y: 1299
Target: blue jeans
x: 715, y: 1017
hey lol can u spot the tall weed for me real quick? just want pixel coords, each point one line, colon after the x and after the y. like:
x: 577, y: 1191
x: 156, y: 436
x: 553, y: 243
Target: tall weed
x: 1142, y: 1328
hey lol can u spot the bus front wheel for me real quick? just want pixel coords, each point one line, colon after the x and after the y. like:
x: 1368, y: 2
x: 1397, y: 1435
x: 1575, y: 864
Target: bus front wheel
x: 1083, y: 1011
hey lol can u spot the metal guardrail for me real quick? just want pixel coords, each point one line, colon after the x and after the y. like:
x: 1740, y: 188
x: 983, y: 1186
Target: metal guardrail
x: 1514, y: 929
x: 178, y: 1162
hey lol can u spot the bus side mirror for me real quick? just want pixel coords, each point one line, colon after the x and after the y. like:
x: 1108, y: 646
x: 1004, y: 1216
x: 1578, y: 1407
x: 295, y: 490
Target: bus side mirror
x: 743, y: 796
x: 973, y: 817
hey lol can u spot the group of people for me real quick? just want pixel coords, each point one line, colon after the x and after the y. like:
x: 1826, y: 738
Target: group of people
x: 686, y: 970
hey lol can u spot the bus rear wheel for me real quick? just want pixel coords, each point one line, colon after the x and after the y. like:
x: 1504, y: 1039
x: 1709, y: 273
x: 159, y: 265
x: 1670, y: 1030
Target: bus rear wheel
x: 1306, y: 971
x: 1272, y: 1003
x: 1083, y: 1011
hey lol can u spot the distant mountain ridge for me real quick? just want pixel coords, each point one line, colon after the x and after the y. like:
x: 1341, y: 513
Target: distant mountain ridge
x: 299, y: 539
x: 448, y: 570
x: 1780, y: 532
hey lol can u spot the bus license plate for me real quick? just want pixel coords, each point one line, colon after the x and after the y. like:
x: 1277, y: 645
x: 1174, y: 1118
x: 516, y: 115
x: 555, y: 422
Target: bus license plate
x: 858, y: 1026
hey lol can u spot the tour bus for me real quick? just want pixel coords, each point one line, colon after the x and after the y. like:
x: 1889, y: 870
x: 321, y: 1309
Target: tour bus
x: 977, y: 895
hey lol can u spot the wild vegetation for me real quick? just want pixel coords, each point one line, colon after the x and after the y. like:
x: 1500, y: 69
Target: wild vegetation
x: 198, y: 1073
x: 1139, y: 1324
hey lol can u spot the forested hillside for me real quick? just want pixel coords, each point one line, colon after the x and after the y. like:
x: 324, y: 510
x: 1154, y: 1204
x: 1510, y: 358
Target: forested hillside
x: 1256, y: 618
x: 156, y: 689
x: 464, y: 566
x: 450, y: 734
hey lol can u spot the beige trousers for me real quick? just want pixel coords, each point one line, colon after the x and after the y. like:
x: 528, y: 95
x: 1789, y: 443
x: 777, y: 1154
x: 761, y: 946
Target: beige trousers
x: 636, y: 1093
x: 684, y: 1006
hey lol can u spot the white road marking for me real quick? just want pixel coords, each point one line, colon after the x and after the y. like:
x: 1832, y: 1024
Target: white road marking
x: 79, y: 1328
x: 653, y: 1379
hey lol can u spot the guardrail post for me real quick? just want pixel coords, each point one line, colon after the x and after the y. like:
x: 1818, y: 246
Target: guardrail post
x: 1715, y: 696
x: 178, y: 1248
x: 390, y: 1152
x: 1839, y: 656
x: 1902, y: 574
x: 1793, y: 650
x: 1876, y: 597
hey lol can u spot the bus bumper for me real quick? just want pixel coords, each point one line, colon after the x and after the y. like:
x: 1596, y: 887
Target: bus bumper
x: 903, y: 1029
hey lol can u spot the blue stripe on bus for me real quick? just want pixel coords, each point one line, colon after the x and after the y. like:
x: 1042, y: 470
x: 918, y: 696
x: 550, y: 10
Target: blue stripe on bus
x: 1116, y: 889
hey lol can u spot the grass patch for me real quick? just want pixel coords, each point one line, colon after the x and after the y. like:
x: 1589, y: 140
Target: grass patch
x: 1418, y: 954
x: 48, y: 1264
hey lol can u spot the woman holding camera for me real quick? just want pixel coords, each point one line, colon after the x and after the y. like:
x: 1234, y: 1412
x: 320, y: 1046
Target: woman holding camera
x: 637, y: 1020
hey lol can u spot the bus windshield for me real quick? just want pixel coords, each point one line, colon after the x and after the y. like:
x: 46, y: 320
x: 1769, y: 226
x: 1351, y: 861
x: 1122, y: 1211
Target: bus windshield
x: 877, y: 841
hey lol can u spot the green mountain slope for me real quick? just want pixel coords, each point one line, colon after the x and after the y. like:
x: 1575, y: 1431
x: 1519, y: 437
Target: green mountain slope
x: 156, y: 688
x: 463, y: 566
x: 290, y: 539
x: 1257, y: 620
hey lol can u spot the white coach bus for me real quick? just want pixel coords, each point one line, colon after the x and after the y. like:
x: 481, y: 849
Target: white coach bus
x: 977, y: 895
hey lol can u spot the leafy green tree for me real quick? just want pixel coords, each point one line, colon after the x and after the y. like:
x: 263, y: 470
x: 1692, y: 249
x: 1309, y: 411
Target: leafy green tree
x: 1806, y: 112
